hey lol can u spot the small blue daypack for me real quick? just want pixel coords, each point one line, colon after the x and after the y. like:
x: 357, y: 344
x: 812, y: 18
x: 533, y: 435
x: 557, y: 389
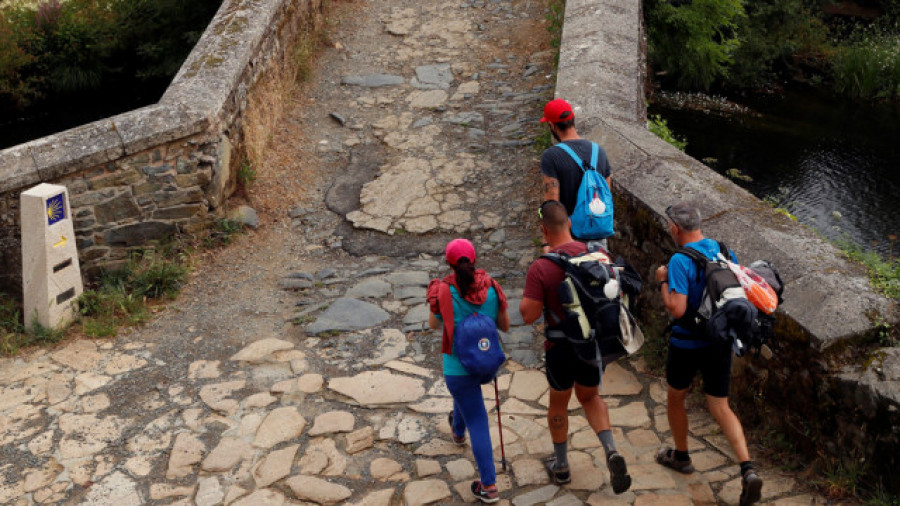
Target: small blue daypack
x: 593, y: 214
x: 478, y: 346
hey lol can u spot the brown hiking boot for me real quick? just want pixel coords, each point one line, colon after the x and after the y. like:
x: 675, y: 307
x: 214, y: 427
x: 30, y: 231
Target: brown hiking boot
x: 751, y: 487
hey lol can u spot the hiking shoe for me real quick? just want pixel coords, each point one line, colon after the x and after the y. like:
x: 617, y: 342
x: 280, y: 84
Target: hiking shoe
x: 488, y: 494
x: 751, y: 487
x: 460, y: 440
x: 666, y: 457
x: 618, y: 472
x: 559, y: 474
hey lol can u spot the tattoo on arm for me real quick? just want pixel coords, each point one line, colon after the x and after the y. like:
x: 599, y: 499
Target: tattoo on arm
x: 551, y: 188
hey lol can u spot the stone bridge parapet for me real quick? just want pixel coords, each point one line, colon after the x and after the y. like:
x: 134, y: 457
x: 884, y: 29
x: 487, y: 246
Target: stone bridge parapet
x: 140, y: 176
x: 829, y: 385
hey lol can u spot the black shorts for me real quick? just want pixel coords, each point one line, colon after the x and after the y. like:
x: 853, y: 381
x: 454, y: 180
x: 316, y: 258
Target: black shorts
x: 564, y: 368
x: 713, y: 362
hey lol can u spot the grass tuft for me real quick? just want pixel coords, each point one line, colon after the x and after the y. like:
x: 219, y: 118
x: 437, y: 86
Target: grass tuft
x: 14, y: 336
x: 884, y: 274
x: 223, y: 233
x: 246, y: 175
x: 122, y: 295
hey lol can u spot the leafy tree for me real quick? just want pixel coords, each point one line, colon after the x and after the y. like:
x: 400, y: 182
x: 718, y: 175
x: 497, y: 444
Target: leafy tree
x: 693, y: 42
x: 15, y: 89
x: 71, y: 42
x: 774, y: 35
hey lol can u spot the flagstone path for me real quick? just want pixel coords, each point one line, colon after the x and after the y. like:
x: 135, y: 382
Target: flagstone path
x: 295, y: 368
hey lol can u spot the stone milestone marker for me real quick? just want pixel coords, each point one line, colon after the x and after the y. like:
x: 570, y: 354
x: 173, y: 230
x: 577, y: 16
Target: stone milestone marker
x: 51, y: 276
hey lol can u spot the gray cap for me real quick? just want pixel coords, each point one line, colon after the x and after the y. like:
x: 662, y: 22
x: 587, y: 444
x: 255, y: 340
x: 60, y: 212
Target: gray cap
x: 685, y: 215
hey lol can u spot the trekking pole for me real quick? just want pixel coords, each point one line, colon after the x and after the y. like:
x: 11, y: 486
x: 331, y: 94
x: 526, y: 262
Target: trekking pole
x: 500, y: 425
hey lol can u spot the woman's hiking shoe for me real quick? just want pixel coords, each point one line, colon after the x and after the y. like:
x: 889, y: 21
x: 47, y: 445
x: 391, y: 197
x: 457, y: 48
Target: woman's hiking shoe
x: 618, y: 472
x: 666, y: 457
x: 751, y: 487
x: 488, y: 494
x: 559, y: 474
x: 460, y: 440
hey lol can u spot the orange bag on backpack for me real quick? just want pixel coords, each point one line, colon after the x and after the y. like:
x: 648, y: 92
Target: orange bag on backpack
x: 758, y: 291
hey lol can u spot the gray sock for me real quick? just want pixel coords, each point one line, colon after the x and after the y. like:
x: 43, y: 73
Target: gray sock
x: 561, y: 457
x: 606, y: 438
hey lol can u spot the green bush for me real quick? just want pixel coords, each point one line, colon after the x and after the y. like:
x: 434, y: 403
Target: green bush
x: 693, y: 43
x: 62, y: 47
x: 660, y: 128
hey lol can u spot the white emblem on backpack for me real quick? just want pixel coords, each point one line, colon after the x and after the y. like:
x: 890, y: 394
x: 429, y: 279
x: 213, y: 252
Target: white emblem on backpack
x: 597, y: 206
x: 484, y: 344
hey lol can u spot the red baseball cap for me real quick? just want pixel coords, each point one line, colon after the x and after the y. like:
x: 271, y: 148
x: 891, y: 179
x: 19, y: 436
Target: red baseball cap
x: 557, y: 110
x: 458, y: 248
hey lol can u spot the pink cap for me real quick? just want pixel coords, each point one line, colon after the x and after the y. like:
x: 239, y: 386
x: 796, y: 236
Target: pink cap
x: 458, y: 248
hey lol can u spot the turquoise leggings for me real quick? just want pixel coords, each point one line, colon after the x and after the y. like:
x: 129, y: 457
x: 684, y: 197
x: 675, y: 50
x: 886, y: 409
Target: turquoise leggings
x: 469, y: 412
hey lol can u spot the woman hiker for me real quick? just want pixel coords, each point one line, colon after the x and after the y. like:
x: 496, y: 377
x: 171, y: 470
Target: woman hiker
x: 471, y: 290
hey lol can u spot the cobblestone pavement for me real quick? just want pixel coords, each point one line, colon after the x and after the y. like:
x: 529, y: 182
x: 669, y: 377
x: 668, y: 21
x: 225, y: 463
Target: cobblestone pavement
x: 296, y: 369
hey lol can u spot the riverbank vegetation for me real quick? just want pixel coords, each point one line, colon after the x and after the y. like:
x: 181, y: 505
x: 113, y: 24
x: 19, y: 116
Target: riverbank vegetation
x: 54, y: 54
x: 850, y: 47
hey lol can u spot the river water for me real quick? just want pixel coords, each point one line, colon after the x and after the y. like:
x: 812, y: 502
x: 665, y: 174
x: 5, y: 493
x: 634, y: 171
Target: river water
x: 833, y: 163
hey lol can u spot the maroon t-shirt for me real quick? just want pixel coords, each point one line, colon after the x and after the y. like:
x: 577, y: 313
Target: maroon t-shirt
x: 543, y: 279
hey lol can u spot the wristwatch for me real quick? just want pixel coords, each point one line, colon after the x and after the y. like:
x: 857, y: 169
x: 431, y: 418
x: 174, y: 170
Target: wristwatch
x: 663, y: 282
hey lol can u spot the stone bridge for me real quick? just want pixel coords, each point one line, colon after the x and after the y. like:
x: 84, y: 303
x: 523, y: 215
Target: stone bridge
x: 296, y: 365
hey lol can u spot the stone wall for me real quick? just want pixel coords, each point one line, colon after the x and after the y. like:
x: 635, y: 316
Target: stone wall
x: 144, y: 175
x: 828, y: 385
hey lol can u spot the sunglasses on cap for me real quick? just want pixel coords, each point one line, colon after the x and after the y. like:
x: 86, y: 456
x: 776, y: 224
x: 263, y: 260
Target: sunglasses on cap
x: 547, y: 203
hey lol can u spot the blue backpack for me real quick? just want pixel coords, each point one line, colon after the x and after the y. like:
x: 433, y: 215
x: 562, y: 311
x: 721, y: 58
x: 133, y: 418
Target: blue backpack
x: 478, y: 346
x: 593, y: 214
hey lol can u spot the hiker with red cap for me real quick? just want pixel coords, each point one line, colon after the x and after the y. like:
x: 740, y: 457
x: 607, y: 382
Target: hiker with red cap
x: 576, y: 172
x: 463, y: 293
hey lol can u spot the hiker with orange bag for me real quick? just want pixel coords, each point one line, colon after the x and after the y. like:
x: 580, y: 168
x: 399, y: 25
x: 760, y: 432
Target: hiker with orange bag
x: 685, y: 285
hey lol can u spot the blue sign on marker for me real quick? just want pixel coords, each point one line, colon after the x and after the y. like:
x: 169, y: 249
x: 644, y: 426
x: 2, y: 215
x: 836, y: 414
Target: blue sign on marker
x: 56, y: 209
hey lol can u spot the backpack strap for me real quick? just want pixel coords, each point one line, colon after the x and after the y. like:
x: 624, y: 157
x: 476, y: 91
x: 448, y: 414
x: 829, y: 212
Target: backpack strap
x: 698, y: 258
x: 445, y: 302
x: 595, y: 155
x: 561, y: 261
x: 723, y: 249
x: 688, y: 320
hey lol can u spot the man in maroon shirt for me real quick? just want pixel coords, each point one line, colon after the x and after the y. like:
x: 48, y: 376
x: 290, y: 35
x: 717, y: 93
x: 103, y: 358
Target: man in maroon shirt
x: 565, y: 370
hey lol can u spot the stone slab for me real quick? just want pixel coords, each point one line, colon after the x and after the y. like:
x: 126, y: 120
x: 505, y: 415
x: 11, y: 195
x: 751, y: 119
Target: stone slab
x: 373, y: 80
x: 378, y: 387
x: 348, y: 314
